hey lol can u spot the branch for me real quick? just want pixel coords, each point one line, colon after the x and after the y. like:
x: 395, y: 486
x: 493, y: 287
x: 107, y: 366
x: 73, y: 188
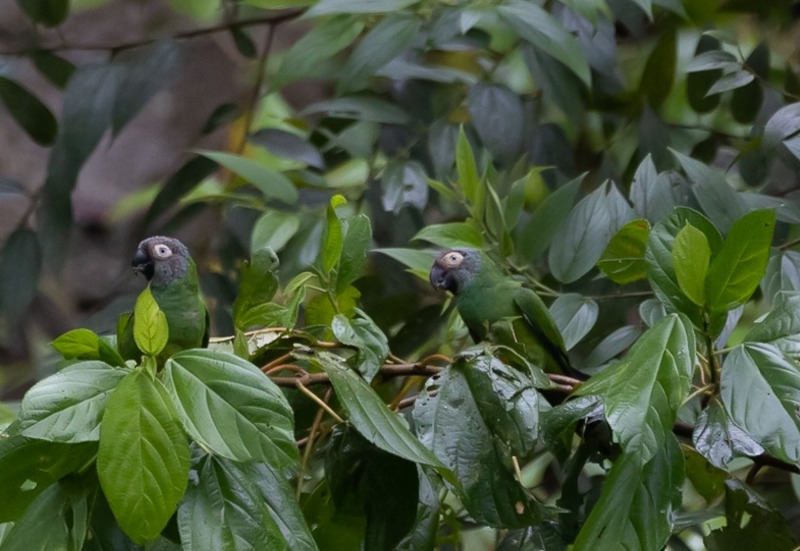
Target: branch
x: 273, y: 19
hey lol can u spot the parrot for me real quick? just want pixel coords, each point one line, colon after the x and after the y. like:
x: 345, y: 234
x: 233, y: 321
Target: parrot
x: 499, y: 309
x: 172, y: 274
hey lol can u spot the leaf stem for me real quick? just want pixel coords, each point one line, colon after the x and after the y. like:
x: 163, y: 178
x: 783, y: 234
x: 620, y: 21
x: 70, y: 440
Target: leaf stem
x: 301, y: 387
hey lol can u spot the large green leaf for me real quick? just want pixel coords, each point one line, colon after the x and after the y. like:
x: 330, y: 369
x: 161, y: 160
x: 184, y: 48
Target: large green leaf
x: 587, y: 231
x: 658, y: 75
x: 241, y: 506
x: 356, y: 243
x: 658, y: 256
x: 405, y: 183
x: 472, y: 185
x: 83, y: 344
x: 230, y: 407
x: 476, y: 416
x: 184, y: 180
x: 718, y: 439
x: 760, y: 390
x: 258, y: 283
x: 691, y: 256
x: 150, y: 328
x: 635, y: 508
x: 642, y: 393
x: 273, y: 229
x: 43, y: 526
x: 271, y: 183
x: 362, y: 333
x: 782, y: 274
x: 143, y: 453
x: 546, y: 33
x: 537, y: 233
x: 68, y: 406
x: 451, y: 235
x: 31, y: 114
x: 738, y: 268
x: 370, y: 415
x: 781, y: 327
x: 575, y: 316
x: 623, y: 259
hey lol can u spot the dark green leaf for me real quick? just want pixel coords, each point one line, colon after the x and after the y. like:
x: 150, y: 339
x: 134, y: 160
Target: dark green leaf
x: 560, y: 422
x: 637, y: 501
x: 68, y: 406
x: 452, y: 234
x: 475, y: 421
x: 575, y: 317
x: 654, y: 195
x: 189, y: 176
x: 473, y: 188
x: 499, y: 119
x: 362, y: 108
x: 143, y: 453
x: 404, y: 183
x: 691, y: 256
x: 659, y: 71
x: 781, y: 327
x: 371, y: 417
x: 623, y: 259
x: 30, y: 113
x: 362, y: 333
x: 43, y: 526
x: 257, y: 504
x: 327, y: 7
x: 383, y: 43
x: 642, y: 393
x: 612, y: 345
x: 761, y: 390
x: 272, y: 184
x: 731, y: 81
x: 537, y: 234
x: 738, y: 268
x: 423, y: 533
x: 718, y: 439
x: 587, y: 231
x: 222, y: 115
x: 783, y: 273
x: 47, y: 12
x: 258, y: 283
x: 243, y: 42
x: 546, y: 33
x: 288, y: 145
x: 228, y: 405
x: 708, y: 480
x: 746, y: 101
x: 704, y: 70
x: 419, y: 262
x: 20, y: 266
x: 355, y: 245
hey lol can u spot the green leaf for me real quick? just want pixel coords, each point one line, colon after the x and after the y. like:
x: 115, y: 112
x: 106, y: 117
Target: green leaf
x: 559, y: 423
x: 642, y: 393
x: 231, y: 408
x: 659, y: 71
x: 325, y: 40
x: 704, y: 70
x: 384, y: 42
x: 451, y: 235
x: 587, y: 231
x: 258, y: 282
x: 746, y: 101
x: 362, y: 108
x: 419, y: 262
x: 327, y: 7
x: 362, y: 333
x: 718, y: 439
x: 623, y: 259
x: 273, y: 230
x: 498, y: 116
x: 575, y: 317
x: 20, y: 267
x: 760, y: 390
x: 244, y: 44
x: 371, y: 417
x: 658, y: 256
x: 83, y: 344
x: 288, y: 145
x: 43, y: 526
x: 187, y: 178
x: 258, y: 506
x: 537, y: 234
x: 712, y: 59
x: 68, y: 406
x: 472, y: 185
x: 47, y: 12
x: 30, y: 113
x: 637, y: 502
x: 783, y: 274
x: 546, y: 33
x: 691, y: 255
x: 738, y: 268
x: 333, y: 241
x: 654, y: 195
x: 612, y: 345
x: 150, y: 328
x: 272, y: 184
x: 355, y: 245
x: 28, y: 467
x: 406, y: 183
x: 731, y: 81
x: 474, y: 420
x: 781, y: 326
x: 143, y: 453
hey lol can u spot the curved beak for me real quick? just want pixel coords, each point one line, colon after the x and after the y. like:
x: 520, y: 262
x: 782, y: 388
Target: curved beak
x: 440, y: 278
x: 142, y: 263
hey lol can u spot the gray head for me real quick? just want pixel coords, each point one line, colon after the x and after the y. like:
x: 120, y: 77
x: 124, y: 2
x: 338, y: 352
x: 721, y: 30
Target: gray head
x: 454, y: 269
x: 161, y: 260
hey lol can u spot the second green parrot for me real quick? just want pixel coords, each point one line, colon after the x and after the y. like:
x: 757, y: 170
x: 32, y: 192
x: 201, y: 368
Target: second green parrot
x: 499, y: 309
x: 172, y: 274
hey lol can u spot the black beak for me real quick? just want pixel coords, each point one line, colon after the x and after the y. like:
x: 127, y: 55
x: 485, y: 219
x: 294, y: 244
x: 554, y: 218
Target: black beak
x: 441, y: 279
x: 142, y: 263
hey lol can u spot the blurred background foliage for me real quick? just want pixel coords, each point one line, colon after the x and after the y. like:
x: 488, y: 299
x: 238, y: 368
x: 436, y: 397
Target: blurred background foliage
x: 233, y: 124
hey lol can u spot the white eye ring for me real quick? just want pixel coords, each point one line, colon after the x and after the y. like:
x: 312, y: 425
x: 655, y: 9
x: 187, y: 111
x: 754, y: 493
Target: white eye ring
x: 162, y: 251
x: 453, y: 259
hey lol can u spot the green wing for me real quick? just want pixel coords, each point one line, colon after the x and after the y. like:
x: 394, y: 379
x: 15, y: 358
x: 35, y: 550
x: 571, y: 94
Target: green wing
x: 541, y: 323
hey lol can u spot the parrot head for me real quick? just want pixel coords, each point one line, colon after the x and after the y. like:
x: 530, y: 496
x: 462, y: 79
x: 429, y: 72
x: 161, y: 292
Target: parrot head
x: 161, y: 260
x: 454, y: 269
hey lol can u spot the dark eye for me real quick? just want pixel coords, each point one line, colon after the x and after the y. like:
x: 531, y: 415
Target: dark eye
x: 453, y: 259
x: 162, y: 251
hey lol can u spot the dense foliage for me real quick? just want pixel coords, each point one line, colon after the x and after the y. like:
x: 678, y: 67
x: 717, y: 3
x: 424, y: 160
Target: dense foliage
x: 633, y: 161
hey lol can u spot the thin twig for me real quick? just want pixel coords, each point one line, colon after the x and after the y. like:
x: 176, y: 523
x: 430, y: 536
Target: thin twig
x: 319, y: 401
x: 261, y: 72
x: 312, y: 433
x: 556, y: 378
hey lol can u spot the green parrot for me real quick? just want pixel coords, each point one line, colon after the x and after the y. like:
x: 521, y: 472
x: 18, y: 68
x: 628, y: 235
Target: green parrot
x: 172, y: 274
x: 499, y: 309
